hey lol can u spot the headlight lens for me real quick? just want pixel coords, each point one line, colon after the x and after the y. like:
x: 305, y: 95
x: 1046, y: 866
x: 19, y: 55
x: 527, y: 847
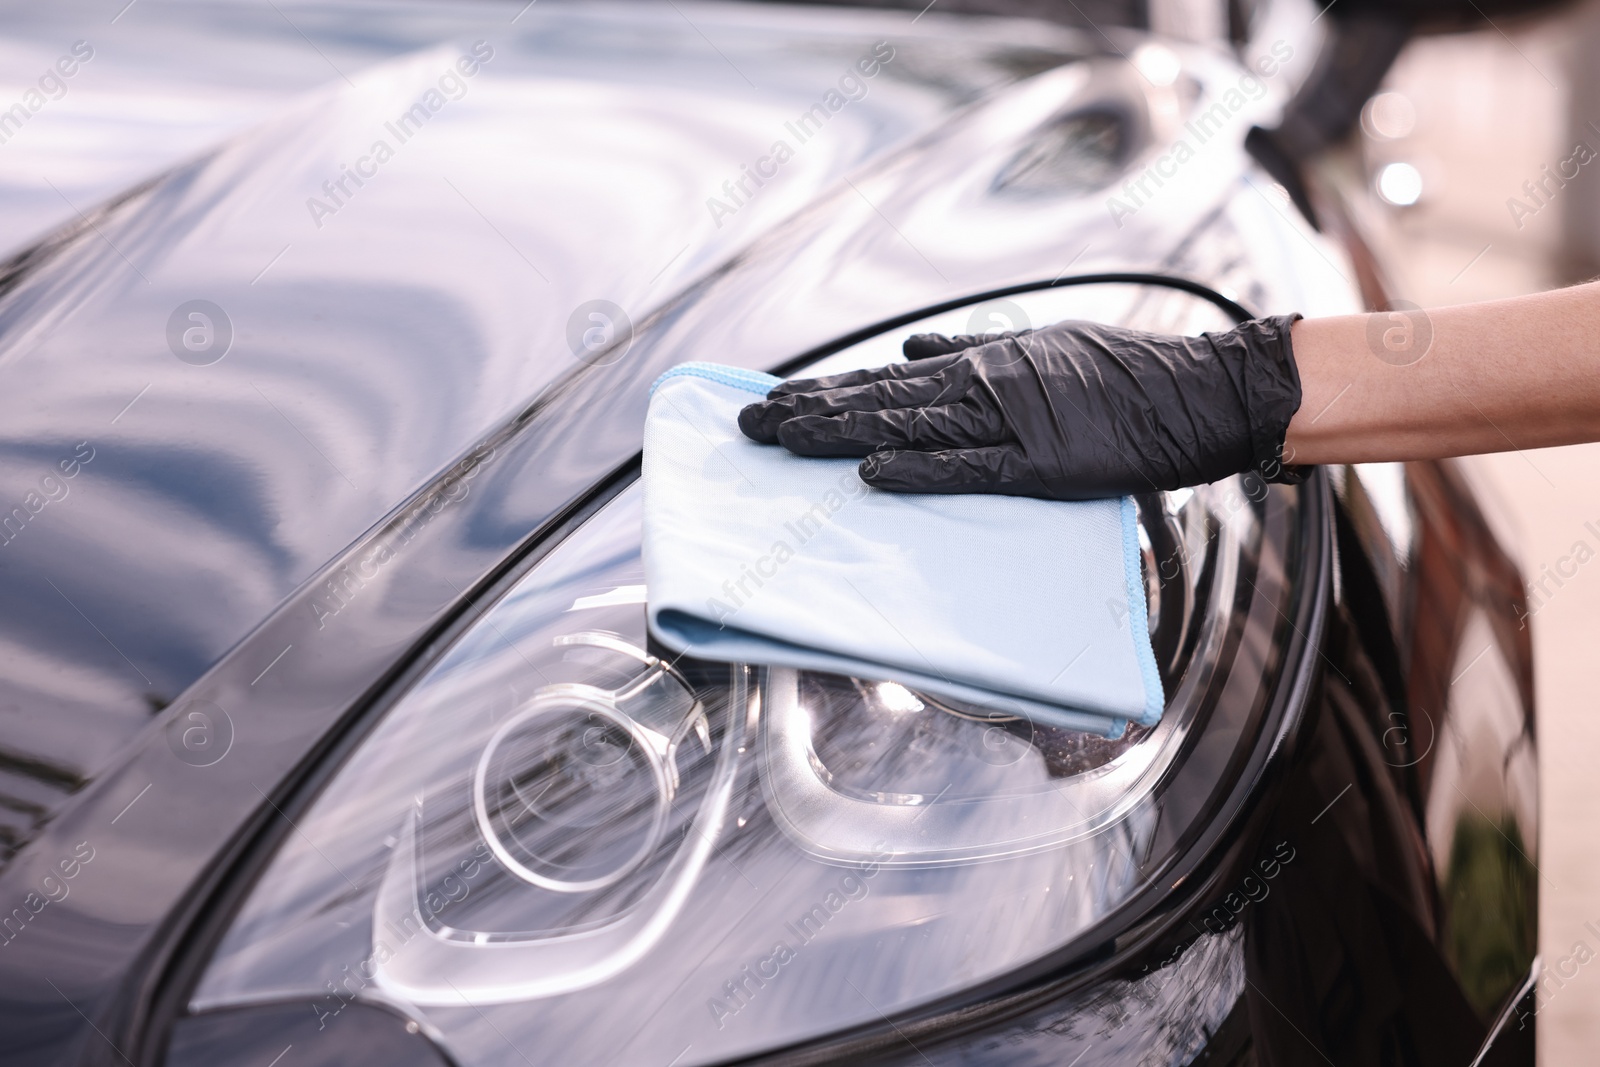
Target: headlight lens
x: 558, y: 840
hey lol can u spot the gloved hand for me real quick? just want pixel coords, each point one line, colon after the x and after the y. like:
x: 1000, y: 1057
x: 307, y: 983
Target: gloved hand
x: 1073, y: 411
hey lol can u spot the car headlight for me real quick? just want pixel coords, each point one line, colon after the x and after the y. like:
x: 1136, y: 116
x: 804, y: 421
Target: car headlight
x: 557, y: 838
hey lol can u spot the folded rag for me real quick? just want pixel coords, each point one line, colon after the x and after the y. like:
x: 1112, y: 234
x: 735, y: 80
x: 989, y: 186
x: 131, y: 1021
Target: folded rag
x: 754, y: 555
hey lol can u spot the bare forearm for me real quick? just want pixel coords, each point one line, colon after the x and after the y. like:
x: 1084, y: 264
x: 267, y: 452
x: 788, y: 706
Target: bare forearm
x: 1509, y: 374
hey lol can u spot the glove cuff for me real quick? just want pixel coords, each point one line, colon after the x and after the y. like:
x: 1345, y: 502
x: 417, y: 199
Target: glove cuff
x: 1271, y: 395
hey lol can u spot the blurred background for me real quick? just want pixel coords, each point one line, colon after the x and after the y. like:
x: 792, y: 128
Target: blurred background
x: 1483, y: 113
x: 1453, y: 151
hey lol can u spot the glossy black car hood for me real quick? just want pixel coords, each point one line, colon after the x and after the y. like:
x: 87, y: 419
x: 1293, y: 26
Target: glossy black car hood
x: 161, y: 506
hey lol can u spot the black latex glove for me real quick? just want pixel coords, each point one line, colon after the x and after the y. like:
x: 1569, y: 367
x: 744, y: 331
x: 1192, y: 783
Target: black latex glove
x: 1073, y: 411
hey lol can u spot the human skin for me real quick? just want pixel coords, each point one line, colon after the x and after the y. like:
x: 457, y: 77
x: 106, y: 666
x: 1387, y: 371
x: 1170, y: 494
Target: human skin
x: 1496, y: 377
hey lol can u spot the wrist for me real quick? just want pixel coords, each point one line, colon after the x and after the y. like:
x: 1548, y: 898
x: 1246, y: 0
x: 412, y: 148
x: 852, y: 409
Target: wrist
x: 1272, y: 393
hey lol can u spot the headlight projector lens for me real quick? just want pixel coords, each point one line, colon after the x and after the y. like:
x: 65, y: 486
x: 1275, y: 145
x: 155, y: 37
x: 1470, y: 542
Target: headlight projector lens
x: 572, y: 793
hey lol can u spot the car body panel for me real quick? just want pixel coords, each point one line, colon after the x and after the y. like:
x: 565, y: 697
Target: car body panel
x: 372, y: 347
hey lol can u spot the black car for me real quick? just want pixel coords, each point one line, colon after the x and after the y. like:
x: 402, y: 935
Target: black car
x: 330, y: 731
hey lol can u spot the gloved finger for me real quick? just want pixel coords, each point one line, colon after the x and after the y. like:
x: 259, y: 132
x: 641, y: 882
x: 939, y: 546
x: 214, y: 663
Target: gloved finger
x: 994, y: 469
x: 760, y: 421
x: 926, y: 345
x: 858, y: 433
x: 852, y: 378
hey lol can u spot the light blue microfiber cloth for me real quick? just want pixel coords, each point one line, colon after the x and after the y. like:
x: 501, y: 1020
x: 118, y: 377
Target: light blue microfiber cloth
x: 755, y: 555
